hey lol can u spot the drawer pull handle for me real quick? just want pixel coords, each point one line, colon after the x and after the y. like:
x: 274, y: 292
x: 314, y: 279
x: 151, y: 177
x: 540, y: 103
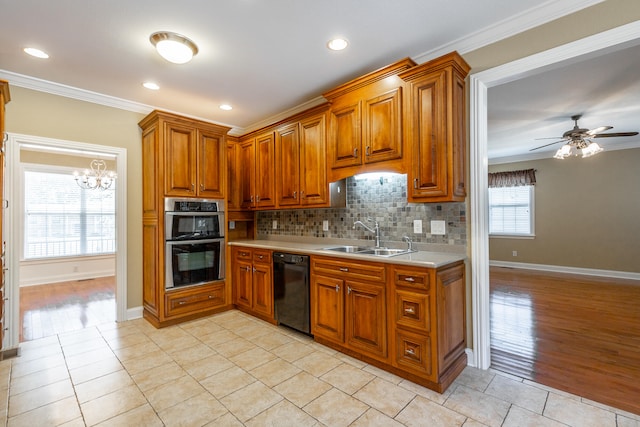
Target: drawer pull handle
x: 345, y: 269
x: 409, y: 310
x: 181, y: 302
x: 409, y: 279
x: 210, y: 296
x: 260, y: 256
x: 410, y: 352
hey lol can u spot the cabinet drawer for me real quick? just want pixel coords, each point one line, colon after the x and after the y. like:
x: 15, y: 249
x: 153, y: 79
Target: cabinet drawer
x: 413, y: 352
x: 412, y: 310
x: 243, y: 253
x: 413, y: 278
x: 349, y: 270
x: 262, y: 256
x: 195, y: 300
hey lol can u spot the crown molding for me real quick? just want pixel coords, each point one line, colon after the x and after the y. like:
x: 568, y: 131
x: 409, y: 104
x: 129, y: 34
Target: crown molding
x: 525, y: 20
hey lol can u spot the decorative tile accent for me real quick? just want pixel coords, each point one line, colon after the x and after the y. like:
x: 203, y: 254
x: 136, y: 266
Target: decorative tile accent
x: 384, y: 202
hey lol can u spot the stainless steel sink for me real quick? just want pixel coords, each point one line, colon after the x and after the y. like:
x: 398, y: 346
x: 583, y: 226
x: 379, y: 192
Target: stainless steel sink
x: 347, y: 248
x: 368, y: 250
x: 384, y: 252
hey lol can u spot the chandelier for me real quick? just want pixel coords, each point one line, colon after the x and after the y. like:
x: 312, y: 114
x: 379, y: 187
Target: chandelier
x: 96, y: 178
x: 587, y: 147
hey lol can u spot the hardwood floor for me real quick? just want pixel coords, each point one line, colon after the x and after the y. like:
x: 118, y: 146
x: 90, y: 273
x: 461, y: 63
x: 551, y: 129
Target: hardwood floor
x: 580, y: 334
x: 50, y: 309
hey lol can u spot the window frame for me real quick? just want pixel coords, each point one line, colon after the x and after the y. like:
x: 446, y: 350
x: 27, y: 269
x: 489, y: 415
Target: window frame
x: 63, y: 170
x: 532, y: 222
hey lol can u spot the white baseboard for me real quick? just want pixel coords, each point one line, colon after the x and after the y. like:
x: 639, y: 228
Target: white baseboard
x: 471, y: 361
x: 134, y: 313
x: 562, y: 269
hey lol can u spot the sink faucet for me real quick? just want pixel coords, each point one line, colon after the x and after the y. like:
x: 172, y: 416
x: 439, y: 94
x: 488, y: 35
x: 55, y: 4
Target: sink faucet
x: 375, y: 230
x: 409, y: 242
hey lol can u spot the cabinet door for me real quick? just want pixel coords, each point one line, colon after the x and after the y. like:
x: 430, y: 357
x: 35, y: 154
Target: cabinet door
x: 313, y: 160
x: 366, y: 322
x: 263, y: 289
x: 327, y: 309
x: 288, y: 165
x: 247, y: 174
x: 382, y: 127
x: 345, y: 136
x: 211, y: 165
x: 265, y: 161
x: 242, y: 283
x: 180, y: 160
x: 451, y: 315
x: 233, y: 181
x: 430, y: 171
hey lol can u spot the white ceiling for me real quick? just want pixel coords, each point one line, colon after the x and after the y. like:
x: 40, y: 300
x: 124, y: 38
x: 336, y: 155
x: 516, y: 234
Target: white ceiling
x: 263, y: 57
x: 604, y: 87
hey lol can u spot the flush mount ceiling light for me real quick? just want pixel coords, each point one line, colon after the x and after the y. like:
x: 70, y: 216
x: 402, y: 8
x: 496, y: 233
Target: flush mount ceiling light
x: 174, y: 47
x: 337, y: 44
x: 36, y: 52
x: 226, y: 107
x: 151, y: 85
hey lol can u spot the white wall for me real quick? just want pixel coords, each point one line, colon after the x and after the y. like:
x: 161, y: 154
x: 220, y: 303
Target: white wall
x: 40, y: 272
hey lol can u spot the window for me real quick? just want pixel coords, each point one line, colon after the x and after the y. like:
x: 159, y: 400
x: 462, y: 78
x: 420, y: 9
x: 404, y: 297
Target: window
x: 61, y: 219
x: 511, y: 210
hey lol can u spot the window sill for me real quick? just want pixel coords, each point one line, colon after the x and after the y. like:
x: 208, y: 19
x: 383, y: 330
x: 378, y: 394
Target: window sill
x: 513, y: 236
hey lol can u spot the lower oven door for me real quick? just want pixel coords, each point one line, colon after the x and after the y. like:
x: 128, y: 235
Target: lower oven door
x: 193, y: 262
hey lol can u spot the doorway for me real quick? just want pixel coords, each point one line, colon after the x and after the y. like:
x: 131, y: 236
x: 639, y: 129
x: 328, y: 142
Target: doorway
x: 479, y: 84
x: 17, y: 145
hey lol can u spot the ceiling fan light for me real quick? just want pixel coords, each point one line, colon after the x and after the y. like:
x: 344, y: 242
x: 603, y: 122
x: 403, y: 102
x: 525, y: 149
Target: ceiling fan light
x: 174, y: 47
x: 563, y: 152
x: 591, y: 149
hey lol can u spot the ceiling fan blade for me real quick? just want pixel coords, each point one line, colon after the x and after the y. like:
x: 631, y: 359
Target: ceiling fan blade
x: 546, y: 145
x: 598, y: 130
x: 611, y: 135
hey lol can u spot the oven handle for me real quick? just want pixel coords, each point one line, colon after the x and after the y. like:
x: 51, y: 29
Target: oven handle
x: 196, y: 241
x: 195, y: 213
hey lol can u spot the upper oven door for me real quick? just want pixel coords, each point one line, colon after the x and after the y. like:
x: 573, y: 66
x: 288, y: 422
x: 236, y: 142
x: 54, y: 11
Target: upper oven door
x: 194, y: 225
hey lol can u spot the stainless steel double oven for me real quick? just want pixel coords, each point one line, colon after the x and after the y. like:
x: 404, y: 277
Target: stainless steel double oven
x: 194, y: 241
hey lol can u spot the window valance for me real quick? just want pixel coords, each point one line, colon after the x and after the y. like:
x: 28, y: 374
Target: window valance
x: 512, y: 178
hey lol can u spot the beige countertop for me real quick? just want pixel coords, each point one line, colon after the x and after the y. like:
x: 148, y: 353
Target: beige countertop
x: 418, y: 259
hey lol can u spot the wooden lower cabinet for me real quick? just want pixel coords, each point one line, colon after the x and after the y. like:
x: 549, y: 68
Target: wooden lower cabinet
x: 253, y: 281
x: 405, y: 319
x: 348, y: 305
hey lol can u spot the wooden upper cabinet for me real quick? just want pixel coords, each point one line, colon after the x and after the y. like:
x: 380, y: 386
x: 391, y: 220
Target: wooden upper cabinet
x: 288, y: 165
x: 435, y: 130
x: 247, y: 168
x: 233, y: 180
x: 265, y: 172
x: 210, y: 163
x: 301, y: 177
x: 366, y: 125
x: 194, y: 160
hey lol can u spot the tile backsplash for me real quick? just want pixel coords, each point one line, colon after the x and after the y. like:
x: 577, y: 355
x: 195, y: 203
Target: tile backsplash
x: 383, y: 199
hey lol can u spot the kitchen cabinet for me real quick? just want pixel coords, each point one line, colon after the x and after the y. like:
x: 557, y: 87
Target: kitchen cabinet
x: 435, y: 129
x: 348, y: 305
x: 186, y: 158
x: 427, y: 311
x: 233, y: 170
x: 257, y: 174
x: 253, y: 281
x: 4, y: 98
x: 301, y: 175
x: 194, y: 160
x: 366, y: 123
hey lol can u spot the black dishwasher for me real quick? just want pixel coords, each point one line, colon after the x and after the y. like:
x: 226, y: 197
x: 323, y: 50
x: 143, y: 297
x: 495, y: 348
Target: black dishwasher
x: 291, y: 291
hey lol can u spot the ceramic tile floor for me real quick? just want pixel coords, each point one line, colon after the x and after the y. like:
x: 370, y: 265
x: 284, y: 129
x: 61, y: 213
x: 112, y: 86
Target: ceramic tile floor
x: 232, y: 370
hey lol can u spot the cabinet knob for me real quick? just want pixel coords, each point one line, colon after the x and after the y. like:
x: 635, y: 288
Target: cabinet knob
x: 345, y: 269
x: 348, y: 290
x: 260, y: 256
x: 337, y: 288
x: 210, y: 296
x: 410, y: 352
x: 409, y: 310
x: 409, y: 279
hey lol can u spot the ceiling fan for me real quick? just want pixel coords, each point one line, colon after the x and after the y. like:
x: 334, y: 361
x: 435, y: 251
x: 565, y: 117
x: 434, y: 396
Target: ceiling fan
x: 579, y: 138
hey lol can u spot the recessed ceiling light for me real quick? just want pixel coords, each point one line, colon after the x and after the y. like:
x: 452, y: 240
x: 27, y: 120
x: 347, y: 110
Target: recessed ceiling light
x: 174, y: 47
x: 337, y: 44
x: 151, y: 85
x: 36, y: 52
x: 226, y: 107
